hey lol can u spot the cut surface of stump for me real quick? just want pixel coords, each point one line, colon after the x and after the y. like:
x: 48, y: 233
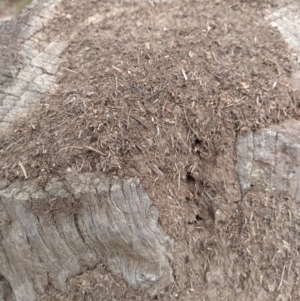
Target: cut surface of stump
x: 53, y: 233
x: 29, y: 60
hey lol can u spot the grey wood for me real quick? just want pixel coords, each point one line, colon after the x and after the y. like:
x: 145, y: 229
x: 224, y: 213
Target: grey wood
x: 52, y: 233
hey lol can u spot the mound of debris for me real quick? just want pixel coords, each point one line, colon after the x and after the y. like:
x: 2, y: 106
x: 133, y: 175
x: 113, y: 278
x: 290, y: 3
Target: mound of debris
x: 157, y: 92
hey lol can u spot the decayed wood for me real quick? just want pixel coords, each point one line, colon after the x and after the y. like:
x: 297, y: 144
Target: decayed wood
x: 29, y: 60
x: 52, y: 233
x: 270, y: 156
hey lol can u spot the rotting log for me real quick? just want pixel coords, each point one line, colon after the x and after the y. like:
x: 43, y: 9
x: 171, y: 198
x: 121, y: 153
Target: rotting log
x: 49, y: 234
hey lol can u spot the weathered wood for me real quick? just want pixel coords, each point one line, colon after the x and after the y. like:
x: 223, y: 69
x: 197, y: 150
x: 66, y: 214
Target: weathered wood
x: 29, y: 60
x: 271, y: 156
x: 50, y: 234
x: 286, y: 20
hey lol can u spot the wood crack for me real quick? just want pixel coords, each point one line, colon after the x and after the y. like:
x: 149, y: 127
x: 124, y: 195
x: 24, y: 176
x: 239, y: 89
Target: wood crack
x: 107, y: 224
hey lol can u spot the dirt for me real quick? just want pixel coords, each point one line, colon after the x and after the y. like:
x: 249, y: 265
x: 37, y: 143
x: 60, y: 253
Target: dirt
x: 160, y: 91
